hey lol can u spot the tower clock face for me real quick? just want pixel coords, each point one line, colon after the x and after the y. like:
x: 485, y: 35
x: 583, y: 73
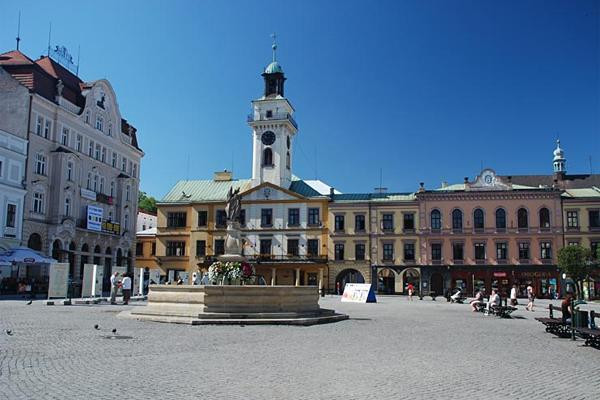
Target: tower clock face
x: 268, y: 138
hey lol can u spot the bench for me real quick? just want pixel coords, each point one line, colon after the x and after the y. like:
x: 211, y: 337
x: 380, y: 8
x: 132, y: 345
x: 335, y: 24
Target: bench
x: 498, y: 311
x: 590, y: 335
x: 555, y: 326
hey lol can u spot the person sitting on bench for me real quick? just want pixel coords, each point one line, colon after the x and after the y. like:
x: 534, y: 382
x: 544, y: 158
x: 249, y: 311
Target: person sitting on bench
x: 477, y: 301
x: 495, y: 300
x: 566, y: 310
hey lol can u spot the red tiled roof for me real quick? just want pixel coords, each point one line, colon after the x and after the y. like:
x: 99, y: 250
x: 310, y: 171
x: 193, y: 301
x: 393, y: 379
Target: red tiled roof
x: 14, y: 57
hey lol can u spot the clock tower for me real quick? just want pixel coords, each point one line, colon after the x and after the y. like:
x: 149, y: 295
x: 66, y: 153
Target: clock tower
x: 273, y: 130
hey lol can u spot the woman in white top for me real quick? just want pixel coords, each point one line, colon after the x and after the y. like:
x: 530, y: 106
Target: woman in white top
x: 513, y: 296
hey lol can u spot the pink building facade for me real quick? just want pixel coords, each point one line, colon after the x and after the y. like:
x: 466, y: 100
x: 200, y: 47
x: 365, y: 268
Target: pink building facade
x: 490, y: 233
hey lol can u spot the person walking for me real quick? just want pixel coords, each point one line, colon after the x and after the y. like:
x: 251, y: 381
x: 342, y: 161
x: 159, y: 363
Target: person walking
x: 513, y: 296
x: 477, y: 301
x: 411, y: 289
x: 126, y: 289
x: 114, y: 286
x: 530, y: 298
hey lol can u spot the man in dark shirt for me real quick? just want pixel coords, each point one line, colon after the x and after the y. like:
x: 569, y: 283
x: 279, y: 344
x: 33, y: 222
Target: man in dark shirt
x: 565, y: 307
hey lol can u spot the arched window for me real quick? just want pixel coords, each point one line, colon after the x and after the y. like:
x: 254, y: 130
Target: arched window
x: 85, y: 248
x: 478, y: 222
x: 35, y: 242
x: 436, y: 220
x: 457, y: 220
x: 119, y: 257
x: 287, y: 160
x: 500, y: 218
x: 97, y: 249
x: 268, y: 157
x: 67, y: 207
x: 57, y: 250
x: 544, y: 218
x: 522, y: 220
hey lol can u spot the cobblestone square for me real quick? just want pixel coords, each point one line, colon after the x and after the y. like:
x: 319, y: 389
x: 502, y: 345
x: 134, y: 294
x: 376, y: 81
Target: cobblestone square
x: 392, y: 349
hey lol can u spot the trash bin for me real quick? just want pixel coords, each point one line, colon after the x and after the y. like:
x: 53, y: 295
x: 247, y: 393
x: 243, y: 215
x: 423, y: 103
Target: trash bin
x: 581, y: 319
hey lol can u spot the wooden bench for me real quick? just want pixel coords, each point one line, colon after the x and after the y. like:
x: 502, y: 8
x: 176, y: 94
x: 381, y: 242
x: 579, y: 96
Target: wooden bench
x: 499, y: 311
x: 555, y: 326
x: 590, y: 335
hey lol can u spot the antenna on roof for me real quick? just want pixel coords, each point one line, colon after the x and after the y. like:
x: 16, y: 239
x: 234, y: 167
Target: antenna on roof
x: 591, y: 168
x: 187, y: 168
x: 380, y: 189
x: 49, y: 36
x: 19, y: 30
x: 78, y: 55
x: 274, y: 46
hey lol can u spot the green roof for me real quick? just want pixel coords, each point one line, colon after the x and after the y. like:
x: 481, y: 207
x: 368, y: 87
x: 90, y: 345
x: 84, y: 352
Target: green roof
x: 378, y: 197
x: 203, y: 190
x: 586, y: 192
x: 273, y: 68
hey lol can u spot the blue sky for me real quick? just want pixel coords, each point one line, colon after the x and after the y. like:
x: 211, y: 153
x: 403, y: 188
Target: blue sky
x: 425, y: 90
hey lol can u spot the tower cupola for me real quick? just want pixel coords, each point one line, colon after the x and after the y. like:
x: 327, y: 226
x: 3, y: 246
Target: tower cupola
x: 559, y: 162
x: 273, y: 76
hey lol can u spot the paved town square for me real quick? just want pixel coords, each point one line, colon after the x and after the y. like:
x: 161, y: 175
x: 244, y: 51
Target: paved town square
x: 391, y: 349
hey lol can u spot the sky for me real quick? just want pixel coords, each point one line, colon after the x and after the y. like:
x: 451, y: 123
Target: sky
x: 414, y: 91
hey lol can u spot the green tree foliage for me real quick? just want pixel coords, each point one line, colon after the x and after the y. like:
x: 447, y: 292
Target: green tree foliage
x: 576, y: 262
x: 146, y: 203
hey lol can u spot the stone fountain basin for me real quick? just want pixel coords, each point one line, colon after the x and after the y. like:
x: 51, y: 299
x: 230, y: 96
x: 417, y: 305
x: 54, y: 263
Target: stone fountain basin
x: 241, y: 305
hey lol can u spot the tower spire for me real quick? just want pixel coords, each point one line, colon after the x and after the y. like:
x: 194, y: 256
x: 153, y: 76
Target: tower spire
x: 274, y: 46
x: 19, y: 30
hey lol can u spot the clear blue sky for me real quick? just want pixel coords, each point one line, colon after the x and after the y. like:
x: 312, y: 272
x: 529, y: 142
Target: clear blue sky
x: 426, y: 90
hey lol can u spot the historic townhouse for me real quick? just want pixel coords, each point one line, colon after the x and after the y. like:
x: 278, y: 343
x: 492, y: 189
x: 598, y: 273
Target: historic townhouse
x: 13, y: 155
x: 373, y: 238
x: 82, y: 172
x: 284, y: 219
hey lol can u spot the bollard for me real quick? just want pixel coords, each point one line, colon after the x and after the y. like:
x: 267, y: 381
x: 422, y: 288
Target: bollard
x: 573, y: 320
x: 551, y: 314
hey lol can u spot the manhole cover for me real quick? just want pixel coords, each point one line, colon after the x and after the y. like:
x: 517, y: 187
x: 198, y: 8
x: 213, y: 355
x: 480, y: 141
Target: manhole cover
x: 117, y: 337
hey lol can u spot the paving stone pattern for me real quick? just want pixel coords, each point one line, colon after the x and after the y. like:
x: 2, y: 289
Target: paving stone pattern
x: 390, y: 350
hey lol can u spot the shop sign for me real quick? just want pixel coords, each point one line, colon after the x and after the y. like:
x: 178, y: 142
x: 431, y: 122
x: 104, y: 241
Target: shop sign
x: 94, y: 218
x: 111, y: 227
x: 88, y: 194
x: 499, y: 274
x: 538, y: 274
x: 359, y: 293
x: 102, y: 198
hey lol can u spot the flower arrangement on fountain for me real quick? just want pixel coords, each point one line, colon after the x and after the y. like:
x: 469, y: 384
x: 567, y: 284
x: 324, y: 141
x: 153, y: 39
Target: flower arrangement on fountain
x: 231, y: 273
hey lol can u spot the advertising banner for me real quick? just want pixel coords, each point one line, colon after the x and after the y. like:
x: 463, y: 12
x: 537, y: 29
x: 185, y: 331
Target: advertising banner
x: 94, y: 218
x: 92, y: 280
x: 58, y: 280
x: 359, y: 293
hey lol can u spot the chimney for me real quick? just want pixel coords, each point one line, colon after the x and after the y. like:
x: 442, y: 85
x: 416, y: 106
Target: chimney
x: 509, y: 178
x: 223, y: 176
x: 466, y: 179
x: 421, y: 186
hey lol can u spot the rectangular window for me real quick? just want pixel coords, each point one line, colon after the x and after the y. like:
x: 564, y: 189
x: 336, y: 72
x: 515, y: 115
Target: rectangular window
x: 572, y: 219
x: 114, y: 160
x: 176, y: 219
x: 359, y: 251
x: 524, y: 251
x: 99, y: 123
x: 98, y: 151
x: 480, y: 251
x: 501, y: 251
x: 153, y: 249
x: 91, y: 148
x: 388, y: 252
x: 175, y: 248
x: 79, y: 143
x: 127, y: 193
x: 292, y: 247
x: 436, y: 251
x: 409, y: 252
x: 339, y: 251
x: 312, y: 247
x: 123, y: 164
x: 339, y: 223
x: 69, y: 171
x: 0, y: 169
x: 221, y: 220
x: 39, y: 125
x: 103, y: 155
x: 409, y: 222
x: 67, y: 207
x: 546, y: 250
x: 139, y: 249
x: 64, y: 139
x: 134, y: 172
x: 202, y: 218
x: 458, y: 253
x: 293, y: 217
x: 266, y: 217
x: 313, y: 217
x: 11, y: 215
x: 388, y: 222
x: 200, y: 248
x: 47, y: 128
x: 40, y: 164
x: 38, y: 202
x: 242, y: 217
x: 219, y: 247
x: 359, y: 223
x: 594, y: 218
x: 265, y: 247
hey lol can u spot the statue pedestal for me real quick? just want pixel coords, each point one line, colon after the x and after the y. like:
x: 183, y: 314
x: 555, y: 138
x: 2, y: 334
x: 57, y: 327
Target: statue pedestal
x: 231, y: 258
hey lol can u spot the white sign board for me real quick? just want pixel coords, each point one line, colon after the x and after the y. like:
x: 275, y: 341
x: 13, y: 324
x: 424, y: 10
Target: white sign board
x: 358, y: 293
x: 92, y: 280
x: 58, y: 280
x: 94, y: 218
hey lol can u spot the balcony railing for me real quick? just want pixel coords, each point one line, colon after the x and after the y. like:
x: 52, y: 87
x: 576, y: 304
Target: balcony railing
x: 274, y: 117
x: 290, y: 258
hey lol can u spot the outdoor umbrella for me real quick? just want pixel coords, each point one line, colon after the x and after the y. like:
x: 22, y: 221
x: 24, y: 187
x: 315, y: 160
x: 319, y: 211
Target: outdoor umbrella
x: 24, y: 255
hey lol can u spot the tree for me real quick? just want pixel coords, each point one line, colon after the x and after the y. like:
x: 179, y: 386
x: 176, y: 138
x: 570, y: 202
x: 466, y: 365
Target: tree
x: 146, y: 203
x: 576, y: 262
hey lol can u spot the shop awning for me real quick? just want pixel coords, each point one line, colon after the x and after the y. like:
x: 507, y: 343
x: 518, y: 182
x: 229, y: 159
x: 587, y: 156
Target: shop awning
x: 24, y: 255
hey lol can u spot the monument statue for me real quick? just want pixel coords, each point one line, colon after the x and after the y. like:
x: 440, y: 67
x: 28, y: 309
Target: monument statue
x: 233, y: 247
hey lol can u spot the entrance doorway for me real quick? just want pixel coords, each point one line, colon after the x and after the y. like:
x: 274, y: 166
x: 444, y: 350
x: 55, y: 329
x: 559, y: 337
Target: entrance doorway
x: 386, y: 281
x: 413, y: 276
x: 436, y: 283
x: 348, y: 276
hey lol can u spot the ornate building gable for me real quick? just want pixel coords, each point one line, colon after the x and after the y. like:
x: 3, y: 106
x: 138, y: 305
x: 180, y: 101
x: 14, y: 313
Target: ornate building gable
x: 487, y: 180
x: 268, y: 191
x: 101, y: 110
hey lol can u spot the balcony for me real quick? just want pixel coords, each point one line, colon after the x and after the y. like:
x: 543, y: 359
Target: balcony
x: 275, y: 117
x: 286, y: 258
